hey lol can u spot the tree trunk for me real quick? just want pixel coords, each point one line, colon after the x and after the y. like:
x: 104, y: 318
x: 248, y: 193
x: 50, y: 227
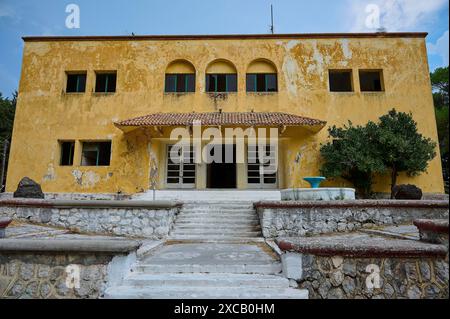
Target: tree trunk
x: 394, y: 175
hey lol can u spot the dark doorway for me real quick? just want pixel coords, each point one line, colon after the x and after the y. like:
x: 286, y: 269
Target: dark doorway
x: 223, y: 175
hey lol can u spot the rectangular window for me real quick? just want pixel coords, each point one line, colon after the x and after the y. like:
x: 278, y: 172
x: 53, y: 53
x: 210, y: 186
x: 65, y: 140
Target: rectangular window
x: 180, y: 83
x: 96, y: 154
x: 340, y: 80
x: 217, y: 83
x: 76, y: 83
x: 67, y: 151
x: 371, y: 80
x: 262, y: 82
x: 106, y: 82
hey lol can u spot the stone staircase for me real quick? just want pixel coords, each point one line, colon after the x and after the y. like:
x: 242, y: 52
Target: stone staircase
x: 215, y: 251
x: 207, y: 271
x: 217, y: 221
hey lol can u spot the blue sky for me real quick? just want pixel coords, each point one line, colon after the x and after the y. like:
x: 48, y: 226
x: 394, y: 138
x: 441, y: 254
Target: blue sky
x: 119, y: 17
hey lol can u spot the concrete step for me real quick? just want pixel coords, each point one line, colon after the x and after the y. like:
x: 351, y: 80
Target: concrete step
x: 127, y: 292
x: 217, y: 214
x: 215, y: 232
x: 217, y: 210
x: 238, y: 224
x: 222, y: 240
x: 234, y: 218
x: 266, y: 268
x: 213, y: 223
x: 212, y: 226
x: 206, y: 280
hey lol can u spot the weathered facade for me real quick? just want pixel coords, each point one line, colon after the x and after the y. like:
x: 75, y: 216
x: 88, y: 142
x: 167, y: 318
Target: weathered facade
x: 56, y: 131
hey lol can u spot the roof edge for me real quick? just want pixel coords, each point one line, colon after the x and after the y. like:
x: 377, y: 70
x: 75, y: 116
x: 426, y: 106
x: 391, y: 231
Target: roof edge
x: 228, y: 36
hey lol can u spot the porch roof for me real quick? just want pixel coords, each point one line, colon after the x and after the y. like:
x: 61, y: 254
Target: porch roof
x: 221, y: 118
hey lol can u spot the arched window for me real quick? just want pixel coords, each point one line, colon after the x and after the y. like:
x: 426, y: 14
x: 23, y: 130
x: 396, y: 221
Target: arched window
x: 221, y: 76
x: 180, y: 77
x: 262, y: 76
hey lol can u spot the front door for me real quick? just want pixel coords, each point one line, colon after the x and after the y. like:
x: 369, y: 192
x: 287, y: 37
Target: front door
x: 181, y: 167
x: 262, y: 174
x: 222, y: 174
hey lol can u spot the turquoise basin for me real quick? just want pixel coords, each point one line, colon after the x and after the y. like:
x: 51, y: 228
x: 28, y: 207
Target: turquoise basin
x: 315, y: 181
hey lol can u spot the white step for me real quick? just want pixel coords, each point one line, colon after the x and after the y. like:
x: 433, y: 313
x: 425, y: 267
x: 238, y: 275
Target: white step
x: 215, y: 232
x: 217, y: 218
x: 127, y: 292
x: 217, y: 210
x: 264, y: 268
x: 206, y: 280
x: 238, y: 224
x: 224, y: 227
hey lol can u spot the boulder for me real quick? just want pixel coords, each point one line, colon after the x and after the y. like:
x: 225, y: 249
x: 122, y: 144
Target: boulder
x: 407, y: 192
x: 28, y: 188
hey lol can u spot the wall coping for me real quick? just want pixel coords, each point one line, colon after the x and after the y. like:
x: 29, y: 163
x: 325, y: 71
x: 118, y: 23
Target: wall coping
x: 69, y: 245
x: 95, y: 204
x: 361, y: 248
x: 440, y: 226
x: 355, y: 203
x: 228, y: 36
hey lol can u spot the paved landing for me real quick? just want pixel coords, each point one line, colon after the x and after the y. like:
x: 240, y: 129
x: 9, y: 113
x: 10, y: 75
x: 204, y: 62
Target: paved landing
x: 207, y: 253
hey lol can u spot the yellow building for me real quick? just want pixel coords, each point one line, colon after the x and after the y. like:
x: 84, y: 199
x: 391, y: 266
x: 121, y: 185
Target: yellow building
x: 94, y: 114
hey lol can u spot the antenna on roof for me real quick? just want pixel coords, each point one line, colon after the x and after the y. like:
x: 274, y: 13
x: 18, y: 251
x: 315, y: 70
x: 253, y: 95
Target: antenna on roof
x: 272, y: 28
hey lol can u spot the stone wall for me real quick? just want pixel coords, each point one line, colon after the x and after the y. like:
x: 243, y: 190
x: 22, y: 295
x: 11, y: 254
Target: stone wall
x: 290, y: 219
x: 132, y: 219
x: 400, y: 278
x: 43, y: 275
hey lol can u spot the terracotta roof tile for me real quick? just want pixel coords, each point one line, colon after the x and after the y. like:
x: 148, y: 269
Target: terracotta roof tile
x: 233, y: 118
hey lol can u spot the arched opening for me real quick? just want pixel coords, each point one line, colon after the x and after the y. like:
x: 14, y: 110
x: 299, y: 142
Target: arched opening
x: 221, y: 77
x: 262, y: 76
x: 180, y: 77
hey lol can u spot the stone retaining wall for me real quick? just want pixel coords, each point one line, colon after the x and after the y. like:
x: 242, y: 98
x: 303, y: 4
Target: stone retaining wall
x: 400, y: 278
x: 290, y: 219
x: 122, y: 218
x: 354, y: 266
x: 44, y: 275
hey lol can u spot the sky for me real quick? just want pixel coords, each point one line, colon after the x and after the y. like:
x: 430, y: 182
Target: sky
x: 122, y: 17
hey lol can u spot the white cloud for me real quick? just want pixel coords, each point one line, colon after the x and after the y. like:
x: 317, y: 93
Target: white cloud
x: 440, y: 48
x: 6, y: 11
x: 395, y: 15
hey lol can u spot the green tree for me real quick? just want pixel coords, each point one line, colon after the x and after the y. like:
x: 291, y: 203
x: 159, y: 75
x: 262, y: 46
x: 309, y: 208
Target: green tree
x: 7, y: 111
x: 357, y: 153
x: 352, y: 155
x: 402, y: 147
x: 439, y: 81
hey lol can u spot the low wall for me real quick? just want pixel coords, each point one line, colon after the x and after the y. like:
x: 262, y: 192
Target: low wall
x: 32, y: 271
x: 314, y: 218
x: 122, y: 218
x: 382, y: 271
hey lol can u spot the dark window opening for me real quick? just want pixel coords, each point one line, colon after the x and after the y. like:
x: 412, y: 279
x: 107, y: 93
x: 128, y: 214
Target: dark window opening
x: 262, y: 82
x: 67, y: 151
x: 340, y: 81
x: 76, y: 83
x: 96, y: 154
x: 106, y: 82
x: 371, y: 81
x: 180, y: 83
x: 217, y: 83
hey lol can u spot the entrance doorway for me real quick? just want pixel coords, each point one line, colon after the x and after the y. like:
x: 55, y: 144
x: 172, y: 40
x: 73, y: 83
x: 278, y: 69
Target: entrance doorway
x: 222, y: 175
